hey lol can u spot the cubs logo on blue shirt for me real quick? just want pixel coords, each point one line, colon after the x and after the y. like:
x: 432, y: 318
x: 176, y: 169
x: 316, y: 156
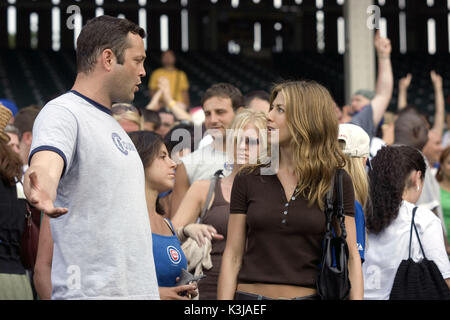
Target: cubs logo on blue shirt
x: 174, y: 254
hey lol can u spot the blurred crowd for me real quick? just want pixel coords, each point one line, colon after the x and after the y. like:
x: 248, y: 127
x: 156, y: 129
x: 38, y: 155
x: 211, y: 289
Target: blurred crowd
x: 179, y: 192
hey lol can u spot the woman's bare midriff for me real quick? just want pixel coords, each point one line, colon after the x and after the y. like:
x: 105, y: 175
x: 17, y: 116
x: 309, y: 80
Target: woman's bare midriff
x: 276, y: 291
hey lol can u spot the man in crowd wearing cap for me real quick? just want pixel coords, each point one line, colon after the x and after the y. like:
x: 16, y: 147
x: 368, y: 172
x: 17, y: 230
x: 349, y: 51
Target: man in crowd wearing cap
x: 360, y: 99
x: 79, y: 157
x: 368, y: 107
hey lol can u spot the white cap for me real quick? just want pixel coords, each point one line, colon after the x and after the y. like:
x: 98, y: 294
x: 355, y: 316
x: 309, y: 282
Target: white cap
x: 357, y: 141
x: 198, y: 116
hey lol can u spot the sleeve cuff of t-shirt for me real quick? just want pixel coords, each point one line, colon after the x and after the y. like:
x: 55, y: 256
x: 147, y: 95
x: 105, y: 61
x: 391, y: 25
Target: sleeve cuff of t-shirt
x: 238, y: 212
x: 49, y: 148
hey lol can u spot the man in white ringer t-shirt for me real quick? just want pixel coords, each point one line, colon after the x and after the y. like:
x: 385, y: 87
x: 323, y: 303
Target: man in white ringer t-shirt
x: 220, y: 103
x: 86, y: 175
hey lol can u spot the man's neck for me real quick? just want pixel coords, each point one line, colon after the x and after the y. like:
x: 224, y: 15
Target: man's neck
x: 90, y: 87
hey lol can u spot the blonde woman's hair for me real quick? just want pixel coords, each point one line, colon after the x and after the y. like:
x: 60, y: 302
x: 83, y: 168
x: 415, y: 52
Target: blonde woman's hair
x: 246, y: 117
x: 128, y: 112
x: 357, y: 171
x: 313, y: 125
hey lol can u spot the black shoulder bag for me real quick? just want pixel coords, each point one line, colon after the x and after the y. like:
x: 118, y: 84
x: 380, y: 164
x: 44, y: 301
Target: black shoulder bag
x: 418, y: 280
x: 333, y: 282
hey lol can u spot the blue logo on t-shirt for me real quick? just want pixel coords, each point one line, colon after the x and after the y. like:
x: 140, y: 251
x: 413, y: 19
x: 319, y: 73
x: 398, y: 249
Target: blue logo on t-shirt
x: 123, y: 146
x: 174, y: 254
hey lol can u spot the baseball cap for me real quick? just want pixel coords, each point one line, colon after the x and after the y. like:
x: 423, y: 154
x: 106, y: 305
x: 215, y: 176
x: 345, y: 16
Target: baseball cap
x: 357, y: 141
x: 369, y: 94
x: 10, y: 105
x: 5, y: 115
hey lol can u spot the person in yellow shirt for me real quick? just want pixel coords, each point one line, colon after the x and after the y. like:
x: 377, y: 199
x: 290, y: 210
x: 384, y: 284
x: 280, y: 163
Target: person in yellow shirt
x: 179, y: 84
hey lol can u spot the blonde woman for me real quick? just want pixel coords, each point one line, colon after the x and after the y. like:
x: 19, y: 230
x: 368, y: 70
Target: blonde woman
x: 128, y: 116
x: 277, y: 222
x: 355, y: 144
x: 248, y: 141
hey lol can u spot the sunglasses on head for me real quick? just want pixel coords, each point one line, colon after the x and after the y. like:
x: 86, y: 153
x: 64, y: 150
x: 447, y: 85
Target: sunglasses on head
x: 125, y: 108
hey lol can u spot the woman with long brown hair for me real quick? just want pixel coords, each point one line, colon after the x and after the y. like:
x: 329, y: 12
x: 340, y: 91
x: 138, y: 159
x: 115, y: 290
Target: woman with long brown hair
x: 14, y: 283
x: 277, y: 220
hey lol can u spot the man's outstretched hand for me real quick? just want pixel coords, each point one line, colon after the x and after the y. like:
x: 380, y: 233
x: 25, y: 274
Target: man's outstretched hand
x: 40, y: 198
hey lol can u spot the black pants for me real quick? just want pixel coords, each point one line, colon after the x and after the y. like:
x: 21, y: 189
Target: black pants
x: 239, y: 295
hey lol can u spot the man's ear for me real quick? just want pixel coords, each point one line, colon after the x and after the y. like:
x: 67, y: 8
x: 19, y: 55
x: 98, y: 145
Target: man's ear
x: 107, y: 59
x: 27, y: 138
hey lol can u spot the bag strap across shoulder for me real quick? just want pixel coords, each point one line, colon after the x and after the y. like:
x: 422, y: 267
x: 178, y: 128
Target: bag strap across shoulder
x: 214, y: 180
x: 330, y: 210
x: 413, y: 224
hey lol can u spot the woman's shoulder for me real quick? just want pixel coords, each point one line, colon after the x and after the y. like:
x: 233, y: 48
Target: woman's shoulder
x: 347, y: 182
x: 345, y: 176
x: 200, y: 186
x: 423, y: 218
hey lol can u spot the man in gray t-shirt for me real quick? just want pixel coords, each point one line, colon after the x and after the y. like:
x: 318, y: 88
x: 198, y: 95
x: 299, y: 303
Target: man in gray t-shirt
x: 86, y: 175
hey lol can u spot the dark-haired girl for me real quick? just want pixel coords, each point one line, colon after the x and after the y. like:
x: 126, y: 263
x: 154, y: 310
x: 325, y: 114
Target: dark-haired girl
x: 160, y: 177
x: 396, y: 183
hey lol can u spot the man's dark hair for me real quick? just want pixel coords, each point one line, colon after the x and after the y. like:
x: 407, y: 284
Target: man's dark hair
x: 171, y: 140
x: 224, y: 90
x: 259, y: 94
x: 24, y: 119
x: 101, y: 33
x: 166, y: 110
x: 153, y: 117
x: 411, y: 129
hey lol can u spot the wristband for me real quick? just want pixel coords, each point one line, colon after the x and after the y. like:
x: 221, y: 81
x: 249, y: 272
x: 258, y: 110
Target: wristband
x: 172, y: 104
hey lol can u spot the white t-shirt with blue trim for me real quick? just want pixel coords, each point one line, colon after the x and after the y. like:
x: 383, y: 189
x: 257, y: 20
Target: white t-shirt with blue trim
x: 103, y: 245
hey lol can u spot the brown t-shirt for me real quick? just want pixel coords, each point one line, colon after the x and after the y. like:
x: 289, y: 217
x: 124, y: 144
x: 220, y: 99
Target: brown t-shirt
x: 284, y: 238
